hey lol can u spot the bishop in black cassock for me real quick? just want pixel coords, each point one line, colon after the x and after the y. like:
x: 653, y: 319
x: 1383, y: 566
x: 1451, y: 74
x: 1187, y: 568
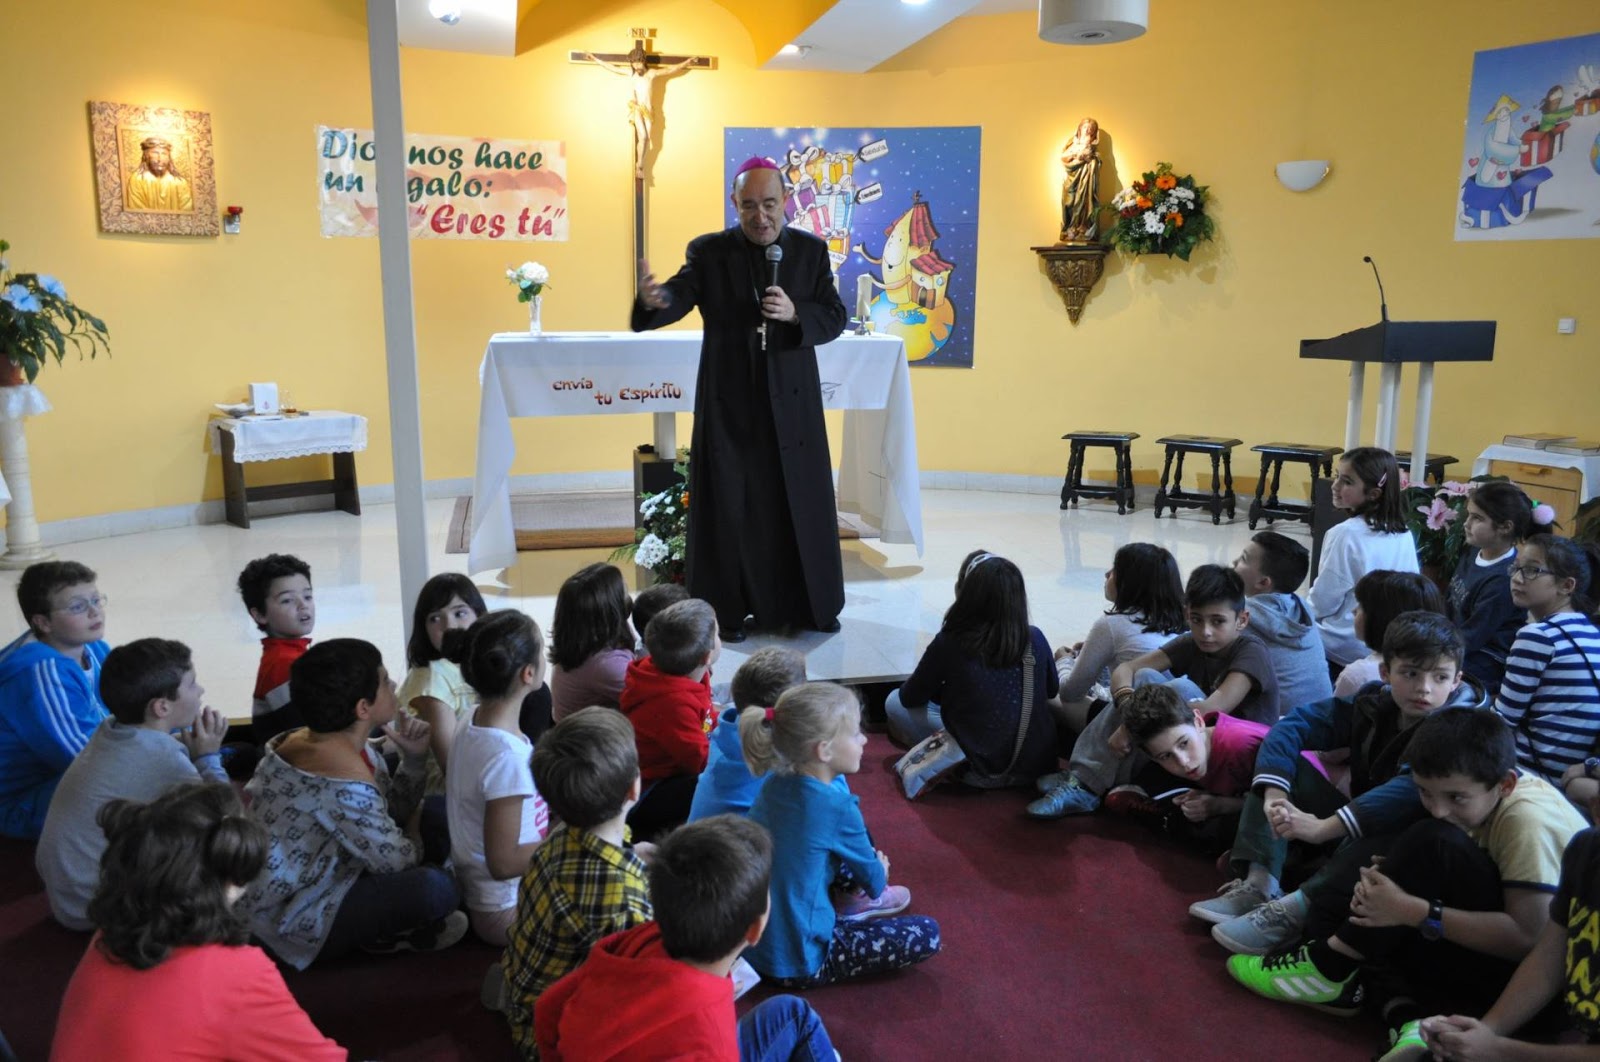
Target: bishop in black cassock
x: 763, y: 530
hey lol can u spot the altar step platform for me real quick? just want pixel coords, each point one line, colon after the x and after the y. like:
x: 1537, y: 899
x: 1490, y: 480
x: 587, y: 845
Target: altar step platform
x: 582, y: 519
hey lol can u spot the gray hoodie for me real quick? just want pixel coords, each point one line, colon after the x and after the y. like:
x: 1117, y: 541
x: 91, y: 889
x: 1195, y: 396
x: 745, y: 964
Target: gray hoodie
x: 1285, y: 624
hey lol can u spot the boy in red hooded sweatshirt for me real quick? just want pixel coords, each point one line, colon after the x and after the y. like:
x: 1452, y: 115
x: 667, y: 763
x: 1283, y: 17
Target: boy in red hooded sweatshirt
x: 667, y: 698
x: 661, y: 990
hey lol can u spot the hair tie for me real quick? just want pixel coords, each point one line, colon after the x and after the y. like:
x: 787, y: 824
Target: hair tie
x: 768, y: 713
x: 1543, y: 514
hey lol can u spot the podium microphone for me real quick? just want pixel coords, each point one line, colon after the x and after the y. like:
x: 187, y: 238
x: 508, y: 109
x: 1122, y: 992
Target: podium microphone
x: 774, y: 256
x: 1383, y: 300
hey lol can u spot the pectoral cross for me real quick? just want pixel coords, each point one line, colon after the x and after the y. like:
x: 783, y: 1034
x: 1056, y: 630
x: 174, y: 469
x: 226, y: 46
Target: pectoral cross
x: 643, y: 67
x: 763, y: 335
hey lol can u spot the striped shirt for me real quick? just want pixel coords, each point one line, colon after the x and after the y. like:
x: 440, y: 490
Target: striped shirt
x: 1551, y: 695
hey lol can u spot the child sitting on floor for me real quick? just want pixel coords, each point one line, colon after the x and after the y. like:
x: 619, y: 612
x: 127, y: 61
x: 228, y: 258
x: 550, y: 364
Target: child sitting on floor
x: 159, y: 736
x: 497, y: 818
x: 1374, y: 536
x: 1498, y: 516
x: 1381, y: 596
x: 340, y: 872
x: 667, y: 698
x: 1422, y: 654
x: 1457, y: 901
x: 806, y: 741
x: 1221, y: 667
x: 662, y: 990
x: 276, y: 590
x: 1272, y: 567
x: 434, y: 690
x: 726, y: 786
x: 986, y: 678
x: 50, y: 687
x: 1561, y: 963
x: 653, y: 599
x: 591, y: 644
x: 172, y: 973
x: 583, y: 883
x: 1146, y: 594
x: 1213, y: 753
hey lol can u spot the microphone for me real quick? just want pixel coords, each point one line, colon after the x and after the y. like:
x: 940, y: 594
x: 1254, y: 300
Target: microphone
x: 1383, y: 300
x: 774, y: 256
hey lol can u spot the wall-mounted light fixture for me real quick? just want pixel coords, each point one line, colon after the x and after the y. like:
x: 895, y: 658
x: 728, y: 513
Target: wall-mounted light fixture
x: 446, y: 11
x: 1302, y: 175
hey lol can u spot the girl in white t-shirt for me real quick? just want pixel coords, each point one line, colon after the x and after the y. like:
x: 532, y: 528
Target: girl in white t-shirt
x: 497, y: 818
x: 1375, y: 536
x: 433, y: 688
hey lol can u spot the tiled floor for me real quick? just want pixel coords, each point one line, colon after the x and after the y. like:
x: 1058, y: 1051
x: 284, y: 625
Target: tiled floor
x: 180, y: 583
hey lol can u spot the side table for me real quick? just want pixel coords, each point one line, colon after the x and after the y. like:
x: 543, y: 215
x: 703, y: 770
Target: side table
x: 245, y: 439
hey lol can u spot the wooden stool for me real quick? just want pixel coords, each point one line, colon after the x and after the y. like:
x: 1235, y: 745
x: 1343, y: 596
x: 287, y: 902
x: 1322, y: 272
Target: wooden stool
x: 1072, y: 487
x: 1221, y: 450
x: 1432, y: 468
x: 1273, y: 455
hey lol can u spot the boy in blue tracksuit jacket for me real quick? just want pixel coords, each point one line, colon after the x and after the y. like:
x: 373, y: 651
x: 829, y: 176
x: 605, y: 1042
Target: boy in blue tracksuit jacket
x: 49, y: 689
x: 1422, y: 653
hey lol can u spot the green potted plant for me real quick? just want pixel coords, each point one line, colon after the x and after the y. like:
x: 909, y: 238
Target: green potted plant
x: 38, y: 321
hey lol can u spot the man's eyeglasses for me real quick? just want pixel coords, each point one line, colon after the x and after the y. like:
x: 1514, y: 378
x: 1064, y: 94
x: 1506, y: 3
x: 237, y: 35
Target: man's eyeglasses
x: 1529, y: 572
x: 80, y: 605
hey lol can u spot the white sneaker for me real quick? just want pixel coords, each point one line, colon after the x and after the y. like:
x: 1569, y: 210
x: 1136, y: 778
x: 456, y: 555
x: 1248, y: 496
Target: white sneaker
x: 1235, y: 898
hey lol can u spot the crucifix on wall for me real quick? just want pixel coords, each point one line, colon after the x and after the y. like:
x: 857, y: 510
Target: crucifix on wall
x: 643, y: 68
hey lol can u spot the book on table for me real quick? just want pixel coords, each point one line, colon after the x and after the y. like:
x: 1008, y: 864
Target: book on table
x: 1538, y: 440
x: 1577, y: 447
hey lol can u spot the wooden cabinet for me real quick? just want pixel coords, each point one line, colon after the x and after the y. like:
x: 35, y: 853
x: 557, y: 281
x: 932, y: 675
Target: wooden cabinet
x: 1559, y: 488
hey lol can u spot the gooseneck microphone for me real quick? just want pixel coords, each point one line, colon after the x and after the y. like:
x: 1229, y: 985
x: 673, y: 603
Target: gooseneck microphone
x: 774, y: 256
x: 1383, y: 300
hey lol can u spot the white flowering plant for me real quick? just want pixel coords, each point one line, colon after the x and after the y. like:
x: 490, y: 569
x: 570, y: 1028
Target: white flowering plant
x: 1161, y: 213
x: 530, y: 279
x: 39, y: 322
x: 661, y: 540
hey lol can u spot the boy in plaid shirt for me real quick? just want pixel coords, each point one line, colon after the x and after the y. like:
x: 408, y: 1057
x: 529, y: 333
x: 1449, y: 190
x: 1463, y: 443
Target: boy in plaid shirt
x: 583, y: 882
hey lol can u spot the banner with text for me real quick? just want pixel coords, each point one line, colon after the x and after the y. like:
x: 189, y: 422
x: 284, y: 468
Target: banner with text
x: 457, y: 187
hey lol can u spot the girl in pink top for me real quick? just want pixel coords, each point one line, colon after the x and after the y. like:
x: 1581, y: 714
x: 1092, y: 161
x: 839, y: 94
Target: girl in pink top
x: 591, y: 642
x: 171, y: 873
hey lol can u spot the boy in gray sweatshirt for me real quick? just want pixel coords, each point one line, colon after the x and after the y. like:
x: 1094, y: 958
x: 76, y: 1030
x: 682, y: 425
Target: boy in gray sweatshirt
x: 1273, y: 566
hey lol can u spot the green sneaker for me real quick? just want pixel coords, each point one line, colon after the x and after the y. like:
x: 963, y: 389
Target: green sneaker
x: 1293, y: 978
x: 1408, y: 1045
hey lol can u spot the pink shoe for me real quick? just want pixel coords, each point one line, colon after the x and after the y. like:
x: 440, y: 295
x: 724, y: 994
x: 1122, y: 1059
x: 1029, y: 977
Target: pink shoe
x: 857, y: 906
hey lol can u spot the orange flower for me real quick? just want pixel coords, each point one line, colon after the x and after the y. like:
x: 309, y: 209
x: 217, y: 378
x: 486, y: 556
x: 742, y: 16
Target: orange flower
x: 1142, y: 203
x: 1176, y: 219
x: 683, y: 499
x: 1166, y: 181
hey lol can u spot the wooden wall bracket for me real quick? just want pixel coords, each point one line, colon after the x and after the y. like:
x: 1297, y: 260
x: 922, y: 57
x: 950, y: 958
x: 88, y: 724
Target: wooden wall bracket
x: 1074, y: 269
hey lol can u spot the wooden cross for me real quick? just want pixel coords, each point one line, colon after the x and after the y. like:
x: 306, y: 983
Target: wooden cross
x: 643, y: 67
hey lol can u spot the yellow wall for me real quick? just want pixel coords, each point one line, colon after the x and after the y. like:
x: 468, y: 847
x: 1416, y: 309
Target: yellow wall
x: 1379, y: 88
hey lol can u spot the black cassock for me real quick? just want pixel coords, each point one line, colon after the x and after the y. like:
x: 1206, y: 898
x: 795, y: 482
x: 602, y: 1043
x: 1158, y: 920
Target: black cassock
x: 763, y: 530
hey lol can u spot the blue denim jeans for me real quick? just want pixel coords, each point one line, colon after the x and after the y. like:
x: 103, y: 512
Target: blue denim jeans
x: 910, y: 725
x: 783, y: 1029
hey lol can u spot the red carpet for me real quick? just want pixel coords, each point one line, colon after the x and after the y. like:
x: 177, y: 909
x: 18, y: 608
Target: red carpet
x: 1061, y: 940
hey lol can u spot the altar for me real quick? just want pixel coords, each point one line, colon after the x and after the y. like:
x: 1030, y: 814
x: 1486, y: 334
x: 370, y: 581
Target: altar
x: 565, y: 374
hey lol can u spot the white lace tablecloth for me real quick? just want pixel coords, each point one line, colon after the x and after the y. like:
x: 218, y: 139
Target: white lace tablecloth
x: 23, y: 400
x: 586, y: 373
x: 314, y: 432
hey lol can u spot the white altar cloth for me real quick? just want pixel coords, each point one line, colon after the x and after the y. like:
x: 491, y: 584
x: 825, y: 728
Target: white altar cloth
x: 322, y: 431
x: 580, y: 373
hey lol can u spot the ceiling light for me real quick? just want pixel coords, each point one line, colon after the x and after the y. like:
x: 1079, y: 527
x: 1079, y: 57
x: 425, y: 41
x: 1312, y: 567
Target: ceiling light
x: 446, y: 11
x: 795, y: 51
x: 914, y: 3
x: 1092, y: 21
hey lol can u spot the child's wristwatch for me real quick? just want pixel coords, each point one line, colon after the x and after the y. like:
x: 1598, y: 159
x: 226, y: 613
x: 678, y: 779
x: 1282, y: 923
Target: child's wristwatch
x: 1591, y: 767
x: 1432, y: 927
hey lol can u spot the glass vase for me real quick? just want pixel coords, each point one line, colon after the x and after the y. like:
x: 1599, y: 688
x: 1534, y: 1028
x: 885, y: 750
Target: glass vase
x: 534, y: 326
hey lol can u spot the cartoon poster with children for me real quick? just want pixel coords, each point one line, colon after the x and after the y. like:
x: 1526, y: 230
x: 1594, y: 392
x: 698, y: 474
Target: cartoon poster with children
x: 1530, y: 166
x: 899, y: 211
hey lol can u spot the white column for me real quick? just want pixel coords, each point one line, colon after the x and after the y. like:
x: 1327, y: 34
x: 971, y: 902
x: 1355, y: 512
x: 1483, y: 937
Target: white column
x: 1419, y: 430
x: 1388, y: 403
x: 666, y: 435
x: 399, y: 326
x: 22, y: 528
x: 1352, y: 413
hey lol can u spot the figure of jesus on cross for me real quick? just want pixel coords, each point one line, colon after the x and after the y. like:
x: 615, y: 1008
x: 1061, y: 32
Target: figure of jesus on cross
x: 642, y: 68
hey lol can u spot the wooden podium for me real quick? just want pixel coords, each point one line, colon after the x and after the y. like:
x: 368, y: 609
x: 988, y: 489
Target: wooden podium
x: 1391, y: 344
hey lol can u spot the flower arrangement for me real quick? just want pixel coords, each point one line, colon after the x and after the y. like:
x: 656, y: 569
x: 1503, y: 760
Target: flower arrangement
x: 1437, y: 518
x: 530, y: 279
x: 1161, y: 214
x: 661, y: 541
x: 38, y: 321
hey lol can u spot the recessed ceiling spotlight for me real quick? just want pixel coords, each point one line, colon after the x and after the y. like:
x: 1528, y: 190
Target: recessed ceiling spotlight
x: 795, y: 51
x: 446, y: 11
x: 914, y: 3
